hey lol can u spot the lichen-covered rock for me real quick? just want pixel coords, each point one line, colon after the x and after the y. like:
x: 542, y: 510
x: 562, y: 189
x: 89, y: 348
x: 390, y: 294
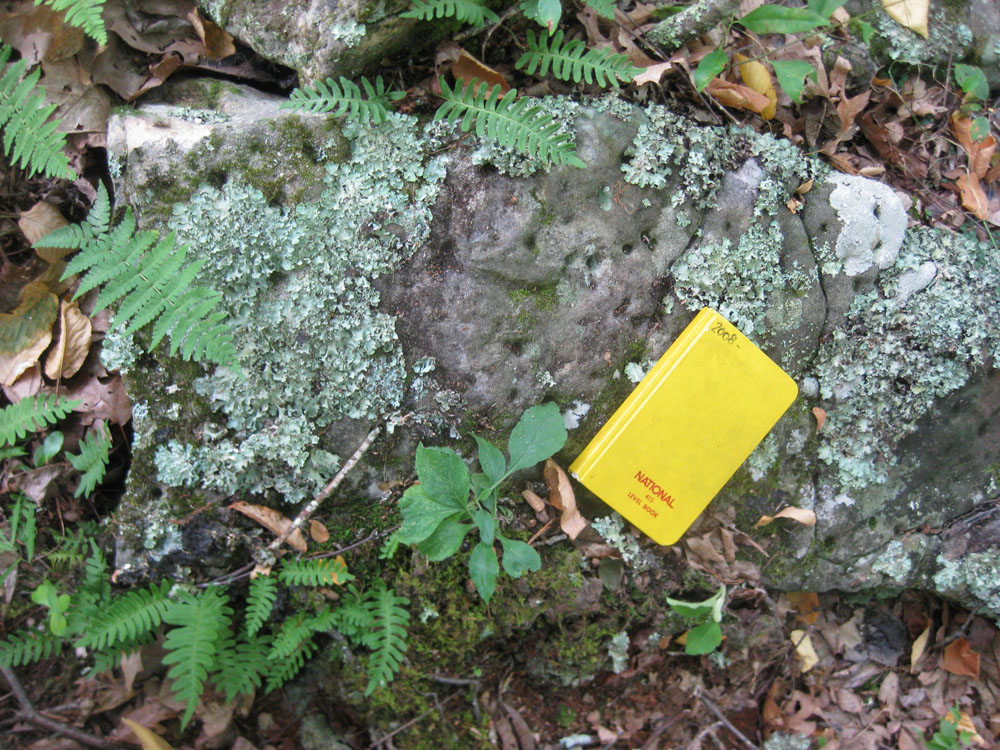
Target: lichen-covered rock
x: 318, y: 39
x: 390, y: 287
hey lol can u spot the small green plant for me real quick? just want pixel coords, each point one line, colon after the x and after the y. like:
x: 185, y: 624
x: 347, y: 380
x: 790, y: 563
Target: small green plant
x: 948, y: 736
x: 85, y: 14
x: 49, y: 597
x: 21, y: 533
x: 572, y: 61
x: 345, y: 98
x: 465, y: 11
x: 449, y: 502
x: 974, y: 85
x: 92, y: 461
x: 706, y: 635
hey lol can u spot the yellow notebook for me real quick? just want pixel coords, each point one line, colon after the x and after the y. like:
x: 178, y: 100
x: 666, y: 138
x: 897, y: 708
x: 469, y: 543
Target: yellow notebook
x: 686, y: 428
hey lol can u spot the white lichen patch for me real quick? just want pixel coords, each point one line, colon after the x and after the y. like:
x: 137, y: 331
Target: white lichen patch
x: 612, y: 529
x: 618, y: 651
x: 874, y: 224
x: 976, y: 574
x: 893, y: 562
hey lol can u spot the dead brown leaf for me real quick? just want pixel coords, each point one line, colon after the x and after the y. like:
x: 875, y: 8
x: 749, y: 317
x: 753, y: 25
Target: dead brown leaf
x: 272, y: 520
x: 318, y: 531
x: 27, y: 385
x: 39, y: 33
x: 888, y: 691
x: 101, y: 400
x: 960, y: 659
x: 802, y: 515
x: 919, y: 646
x: 38, y: 221
x: 464, y: 66
x: 973, y: 198
x: 38, y: 484
x: 72, y: 343
x: 740, y: 97
x: 27, y: 331
x: 561, y: 495
x: 148, y: 739
x: 820, y: 415
x: 218, y: 42
x: 653, y: 73
x: 805, y: 654
x: 806, y: 604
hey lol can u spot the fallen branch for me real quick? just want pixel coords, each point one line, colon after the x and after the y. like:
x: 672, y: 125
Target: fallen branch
x: 725, y: 722
x: 693, y: 21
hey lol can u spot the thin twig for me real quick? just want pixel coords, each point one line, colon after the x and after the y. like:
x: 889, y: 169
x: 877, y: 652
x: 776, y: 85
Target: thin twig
x: 714, y: 709
x: 29, y: 713
x: 410, y: 723
x: 313, y: 504
x: 452, y: 680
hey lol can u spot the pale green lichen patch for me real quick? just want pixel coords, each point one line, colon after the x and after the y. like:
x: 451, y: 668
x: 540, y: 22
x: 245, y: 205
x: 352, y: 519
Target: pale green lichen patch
x: 893, y: 562
x: 298, y: 285
x: 903, y: 348
x: 975, y: 575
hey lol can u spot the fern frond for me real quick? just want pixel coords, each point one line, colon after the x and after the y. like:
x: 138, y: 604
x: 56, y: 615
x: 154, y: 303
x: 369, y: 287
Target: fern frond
x: 126, y: 617
x: 295, y: 630
x: 151, y: 278
x: 85, y: 14
x: 572, y: 61
x: 352, y: 618
x: 202, y: 624
x: 74, y: 236
x: 108, y: 661
x: 603, y: 8
x: 95, y: 576
x: 388, y: 639
x: 510, y: 121
x: 466, y: 11
x: 345, y: 98
x: 27, y: 646
x: 260, y: 601
x: 31, y: 414
x: 92, y: 461
x: 285, y: 670
x: 241, y: 665
x: 318, y: 572
x: 31, y: 143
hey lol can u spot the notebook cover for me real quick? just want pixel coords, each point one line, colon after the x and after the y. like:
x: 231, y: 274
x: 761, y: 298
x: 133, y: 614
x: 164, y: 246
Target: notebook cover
x: 686, y: 428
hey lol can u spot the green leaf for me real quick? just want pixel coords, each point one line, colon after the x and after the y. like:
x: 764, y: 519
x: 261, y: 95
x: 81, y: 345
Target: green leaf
x: 444, y: 476
x: 48, y: 449
x: 446, y: 539
x: 791, y: 76
x: 538, y: 434
x: 703, y: 639
x: 710, y: 66
x: 487, y: 525
x: 713, y: 605
x: 825, y: 8
x: 776, y: 19
x: 973, y: 81
x: 484, y: 569
x: 519, y: 557
x: 980, y: 128
x: 549, y: 12
x: 867, y: 30
x: 492, y: 460
x: 421, y: 515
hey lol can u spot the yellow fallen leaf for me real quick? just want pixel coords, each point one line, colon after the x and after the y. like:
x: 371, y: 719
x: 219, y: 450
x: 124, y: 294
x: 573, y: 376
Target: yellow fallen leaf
x: 149, y: 739
x: 562, y: 497
x: 271, y: 519
x: 804, y: 188
x: 803, y: 516
x: 918, y: 648
x: 965, y: 725
x: 758, y: 77
x: 740, y: 97
x: 72, y: 343
x: 804, y: 651
x: 910, y: 13
x: 27, y: 331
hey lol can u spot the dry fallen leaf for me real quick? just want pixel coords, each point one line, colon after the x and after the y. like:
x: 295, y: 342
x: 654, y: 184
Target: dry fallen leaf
x: 27, y: 331
x: 653, y: 73
x: 318, y: 531
x: 802, y: 515
x: 72, y: 343
x: 756, y: 75
x: 101, y: 400
x: 466, y: 67
x: 965, y: 725
x: 536, y: 503
x: 973, y: 198
x: 960, y: 659
x: 40, y: 220
x: 804, y: 651
x: 888, y: 691
x: 919, y: 646
x: 272, y: 520
x: 734, y: 95
x: 804, y: 188
x: 820, y: 415
x: 149, y: 739
x: 218, y: 42
x: 911, y: 13
x: 562, y: 497
x: 806, y: 605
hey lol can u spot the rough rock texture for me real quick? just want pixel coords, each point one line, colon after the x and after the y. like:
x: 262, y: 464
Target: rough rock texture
x: 462, y: 299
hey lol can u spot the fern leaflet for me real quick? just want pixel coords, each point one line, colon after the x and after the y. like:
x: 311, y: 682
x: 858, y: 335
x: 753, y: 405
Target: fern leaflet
x: 345, y: 98
x: 352, y: 617
x: 241, y: 665
x: 260, y: 601
x: 603, y: 8
x: 31, y: 143
x: 510, y: 121
x: 126, y: 617
x: 31, y: 414
x: 152, y: 278
x: 202, y: 622
x: 26, y: 646
x: 296, y: 630
x: 92, y: 461
x: 466, y: 11
x: 318, y: 572
x: 86, y: 14
x: 388, y: 636
x: 288, y: 668
x: 574, y: 62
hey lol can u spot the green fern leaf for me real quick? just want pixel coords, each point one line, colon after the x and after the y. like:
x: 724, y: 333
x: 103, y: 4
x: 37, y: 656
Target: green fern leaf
x: 26, y: 646
x: 85, y: 14
x: 260, y: 601
x: 466, y: 11
x: 127, y: 617
x: 108, y: 661
x: 352, y: 618
x: 318, y: 572
x: 510, y: 121
x: 31, y: 143
x: 74, y: 236
x: 345, y: 99
x: 31, y: 414
x: 388, y: 638
x: 92, y: 461
x: 241, y: 665
x: 202, y: 622
x: 603, y: 8
x: 282, y: 671
x: 574, y: 62
x: 152, y: 279
x: 294, y: 631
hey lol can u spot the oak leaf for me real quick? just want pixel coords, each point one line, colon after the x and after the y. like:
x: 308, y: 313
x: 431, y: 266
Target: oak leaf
x: 960, y: 659
x: 72, y: 343
x: 272, y: 520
